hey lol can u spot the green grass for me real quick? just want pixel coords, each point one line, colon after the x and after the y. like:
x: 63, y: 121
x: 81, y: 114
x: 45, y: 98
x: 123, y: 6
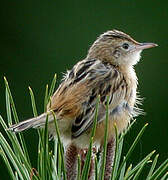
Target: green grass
x: 50, y: 165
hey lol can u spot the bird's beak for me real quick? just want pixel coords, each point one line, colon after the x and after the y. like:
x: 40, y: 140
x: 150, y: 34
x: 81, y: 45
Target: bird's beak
x: 142, y: 46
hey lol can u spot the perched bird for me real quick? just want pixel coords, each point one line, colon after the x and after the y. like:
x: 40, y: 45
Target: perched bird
x: 107, y: 70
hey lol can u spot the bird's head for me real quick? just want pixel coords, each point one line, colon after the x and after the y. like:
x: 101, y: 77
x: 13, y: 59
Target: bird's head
x: 117, y: 48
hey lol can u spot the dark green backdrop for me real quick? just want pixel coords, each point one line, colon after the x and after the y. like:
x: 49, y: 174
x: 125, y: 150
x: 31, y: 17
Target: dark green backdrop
x: 38, y: 39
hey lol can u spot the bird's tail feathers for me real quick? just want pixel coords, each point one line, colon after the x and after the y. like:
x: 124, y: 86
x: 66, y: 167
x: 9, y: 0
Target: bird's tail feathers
x: 35, y: 122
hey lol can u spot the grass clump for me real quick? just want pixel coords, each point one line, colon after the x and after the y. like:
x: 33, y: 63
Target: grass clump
x: 50, y: 165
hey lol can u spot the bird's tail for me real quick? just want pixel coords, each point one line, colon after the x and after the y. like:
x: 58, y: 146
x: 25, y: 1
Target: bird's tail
x: 35, y: 122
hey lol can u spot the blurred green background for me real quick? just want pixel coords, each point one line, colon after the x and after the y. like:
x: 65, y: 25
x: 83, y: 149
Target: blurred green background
x: 40, y: 38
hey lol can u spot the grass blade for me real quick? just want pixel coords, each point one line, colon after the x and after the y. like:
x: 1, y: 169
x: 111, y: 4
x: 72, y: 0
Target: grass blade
x: 127, y: 129
x: 19, y: 153
x: 45, y: 140
x: 116, y: 151
x: 139, y: 171
x: 118, y: 155
x: 105, y: 140
x: 17, y: 165
x: 51, y: 91
x: 132, y: 148
x: 23, y: 144
x: 46, y: 98
x: 164, y: 177
x: 61, y: 146
x: 2, y: 153
x: 8, y: 109
x: 79, y: 168
x: 12, y: 136
x: 127, y: 171
x: 59, y: 161
x: 33, y: 102
x: 152, y: 167
x: 122, y: 172
x: 96, y: 169
x: 139, y: 165
x: 86, y: 167
x: 95, y: 118
x: 160, y: 170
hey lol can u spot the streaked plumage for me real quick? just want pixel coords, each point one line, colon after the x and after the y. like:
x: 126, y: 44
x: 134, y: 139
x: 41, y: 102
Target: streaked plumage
x: 106, y: 71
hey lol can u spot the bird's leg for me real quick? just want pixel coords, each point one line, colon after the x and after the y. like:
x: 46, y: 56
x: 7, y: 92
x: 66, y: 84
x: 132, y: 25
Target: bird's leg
x: 71, y: 161
x: 91, y: 171
x: 109, y: 158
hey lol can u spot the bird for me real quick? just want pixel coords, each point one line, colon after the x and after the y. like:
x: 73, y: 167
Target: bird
x: 107, y: 72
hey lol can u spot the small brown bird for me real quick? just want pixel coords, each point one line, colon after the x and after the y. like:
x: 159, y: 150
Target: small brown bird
x: 108, y: 70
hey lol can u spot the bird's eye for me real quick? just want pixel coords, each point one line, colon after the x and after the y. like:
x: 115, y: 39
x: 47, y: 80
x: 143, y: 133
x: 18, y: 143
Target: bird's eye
x: 125, y: 46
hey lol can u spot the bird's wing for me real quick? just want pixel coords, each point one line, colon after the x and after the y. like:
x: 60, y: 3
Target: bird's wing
x: 76, y: 97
